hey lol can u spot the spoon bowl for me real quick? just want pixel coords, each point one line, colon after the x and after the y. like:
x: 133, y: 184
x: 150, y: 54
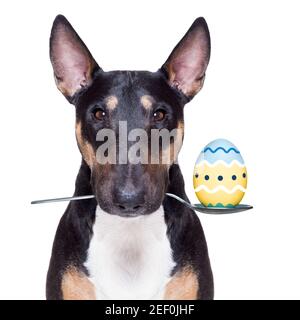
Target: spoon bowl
x: 211, y: 210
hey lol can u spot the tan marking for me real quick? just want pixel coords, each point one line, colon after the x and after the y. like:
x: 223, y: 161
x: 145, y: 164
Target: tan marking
x: 180, y: 125
x: 76, y: 286
x: 183, y: 286
x: 170, y: 154
x: 175, y: 147
x: 85, y: 147
x: 111, y: 102
x: 147, y: 101
x: 171, y: 74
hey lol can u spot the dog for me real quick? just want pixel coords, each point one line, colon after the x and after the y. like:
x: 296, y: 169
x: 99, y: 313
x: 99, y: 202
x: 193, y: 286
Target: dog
x: 131, y: 241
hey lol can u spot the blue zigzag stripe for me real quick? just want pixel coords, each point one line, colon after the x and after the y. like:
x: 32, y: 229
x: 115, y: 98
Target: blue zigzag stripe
x: 221, y: 148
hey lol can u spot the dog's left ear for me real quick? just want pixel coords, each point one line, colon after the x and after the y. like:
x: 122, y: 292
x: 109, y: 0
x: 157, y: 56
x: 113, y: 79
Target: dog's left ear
x: 73, y: 64
x: 185, y: 68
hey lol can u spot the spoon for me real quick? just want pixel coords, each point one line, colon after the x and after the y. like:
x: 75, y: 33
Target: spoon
x: 211, y: 210
x: 198, y: 207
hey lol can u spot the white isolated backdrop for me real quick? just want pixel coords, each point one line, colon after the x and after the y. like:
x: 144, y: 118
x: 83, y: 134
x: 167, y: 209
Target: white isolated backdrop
x: 251, y: 97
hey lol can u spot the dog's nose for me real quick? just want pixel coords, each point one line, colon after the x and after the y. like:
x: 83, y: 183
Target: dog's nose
x: 129, y: 200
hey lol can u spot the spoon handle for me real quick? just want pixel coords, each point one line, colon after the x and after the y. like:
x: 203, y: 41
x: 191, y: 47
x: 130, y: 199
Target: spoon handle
x: 63, y: 199
x: 171, y: 195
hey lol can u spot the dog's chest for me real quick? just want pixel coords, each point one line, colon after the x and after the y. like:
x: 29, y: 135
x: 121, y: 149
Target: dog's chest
x: 129, y: 258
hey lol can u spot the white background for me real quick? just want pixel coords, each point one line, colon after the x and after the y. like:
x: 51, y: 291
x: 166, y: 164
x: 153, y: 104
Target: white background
x: 251, y: 97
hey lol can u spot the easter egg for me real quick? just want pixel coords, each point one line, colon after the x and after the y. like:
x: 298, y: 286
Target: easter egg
x: 220, y: 176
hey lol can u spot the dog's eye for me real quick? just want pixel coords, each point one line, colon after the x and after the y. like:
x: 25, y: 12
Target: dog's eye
x: 99, y: 114
x: 159, y: 115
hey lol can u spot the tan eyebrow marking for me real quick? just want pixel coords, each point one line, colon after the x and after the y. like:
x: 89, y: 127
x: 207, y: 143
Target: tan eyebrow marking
x: 111, y: 102
x: 147, y: 101
x: 85, y: 147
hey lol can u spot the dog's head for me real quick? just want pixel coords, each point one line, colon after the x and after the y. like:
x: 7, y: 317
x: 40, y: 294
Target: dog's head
x: 133, y: 107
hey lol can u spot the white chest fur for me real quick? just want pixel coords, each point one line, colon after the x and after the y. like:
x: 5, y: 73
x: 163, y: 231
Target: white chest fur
x: 129, y: 258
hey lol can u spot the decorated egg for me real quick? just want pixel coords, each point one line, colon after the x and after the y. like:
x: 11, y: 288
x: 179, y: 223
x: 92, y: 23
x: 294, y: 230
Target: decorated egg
x: 220, y: 176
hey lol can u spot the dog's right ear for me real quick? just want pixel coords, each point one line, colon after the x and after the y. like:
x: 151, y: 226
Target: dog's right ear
x: 72, y: 62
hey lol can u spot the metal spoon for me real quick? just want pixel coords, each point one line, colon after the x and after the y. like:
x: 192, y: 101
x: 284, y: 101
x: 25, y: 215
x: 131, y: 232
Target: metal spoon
x: 211, y: 210
x: 198, y: 207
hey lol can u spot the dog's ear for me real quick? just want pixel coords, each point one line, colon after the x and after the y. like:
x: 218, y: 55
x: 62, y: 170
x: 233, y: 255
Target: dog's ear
x: 72, y: 62
x: 185, y: 68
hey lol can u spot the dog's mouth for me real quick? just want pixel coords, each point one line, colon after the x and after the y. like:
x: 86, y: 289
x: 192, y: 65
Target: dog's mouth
x: 129, y: 215
x: 115, y: 210
x: 127, y: 210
